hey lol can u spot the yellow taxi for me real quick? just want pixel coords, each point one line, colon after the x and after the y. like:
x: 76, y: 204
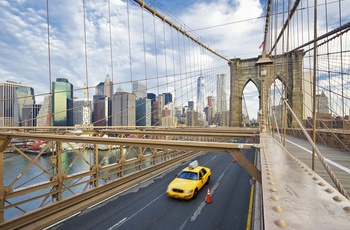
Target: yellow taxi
x: 189, y: 181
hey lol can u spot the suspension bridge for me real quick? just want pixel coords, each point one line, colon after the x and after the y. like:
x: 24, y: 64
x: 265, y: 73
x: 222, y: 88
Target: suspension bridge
x: 152, y: 95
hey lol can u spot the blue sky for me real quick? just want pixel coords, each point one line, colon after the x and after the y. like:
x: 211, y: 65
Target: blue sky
x: 24, y: 50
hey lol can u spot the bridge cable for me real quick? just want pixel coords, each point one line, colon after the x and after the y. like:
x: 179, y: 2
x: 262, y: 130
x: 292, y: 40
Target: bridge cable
x: 319, y: 154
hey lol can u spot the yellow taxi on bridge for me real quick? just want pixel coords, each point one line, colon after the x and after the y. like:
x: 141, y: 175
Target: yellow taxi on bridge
x: 189, y: 181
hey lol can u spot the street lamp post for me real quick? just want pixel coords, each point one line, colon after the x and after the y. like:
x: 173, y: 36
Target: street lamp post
x: 263, y: 64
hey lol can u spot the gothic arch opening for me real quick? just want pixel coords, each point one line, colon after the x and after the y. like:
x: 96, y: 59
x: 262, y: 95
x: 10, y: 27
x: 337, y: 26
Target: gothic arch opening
x: 250, y: 104
x: 275, y: 103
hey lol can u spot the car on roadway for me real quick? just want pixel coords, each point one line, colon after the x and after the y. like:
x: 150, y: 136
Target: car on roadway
x: 189, y: 181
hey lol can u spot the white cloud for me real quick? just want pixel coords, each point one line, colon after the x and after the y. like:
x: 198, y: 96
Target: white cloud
x: 234, y: 29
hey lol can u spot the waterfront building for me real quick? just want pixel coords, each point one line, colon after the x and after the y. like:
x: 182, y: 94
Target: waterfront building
x: 82, y: 112
x: 13, y: 97
x: 62, y: 102
x: 44, y: 116
x: 29, y: 114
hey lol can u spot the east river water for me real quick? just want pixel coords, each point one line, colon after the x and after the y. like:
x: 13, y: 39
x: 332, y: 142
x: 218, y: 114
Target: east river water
x: 20, y: 173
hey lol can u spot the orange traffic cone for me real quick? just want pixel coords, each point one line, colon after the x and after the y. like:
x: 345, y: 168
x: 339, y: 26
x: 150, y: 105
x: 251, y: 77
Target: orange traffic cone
x: 208, y: 198
x: 234, y: 159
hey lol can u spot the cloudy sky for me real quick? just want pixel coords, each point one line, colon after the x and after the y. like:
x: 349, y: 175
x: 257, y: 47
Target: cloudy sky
x: 234, y: 29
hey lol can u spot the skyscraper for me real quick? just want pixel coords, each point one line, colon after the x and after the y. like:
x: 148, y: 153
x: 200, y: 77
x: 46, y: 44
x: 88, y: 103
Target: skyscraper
x: 152, y: 97
x: 167, y: 98
x: 82, y: 112
x: 45, y: 114
x: 221, y: 102
x: 102, y: 115
x: 29, y: 114
x: 100, y: 89
x: 62, y: 102
x: 200, y: 95
x: 108, y: 86
x: 13, y: 97
x: 139, y: 89
x: 143, y: 112
x: 123, y: 109
x: 322, y: 105
x: 190, y: 105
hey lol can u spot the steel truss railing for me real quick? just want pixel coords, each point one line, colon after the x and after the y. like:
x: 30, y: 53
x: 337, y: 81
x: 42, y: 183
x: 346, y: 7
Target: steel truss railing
x: 105, y: 170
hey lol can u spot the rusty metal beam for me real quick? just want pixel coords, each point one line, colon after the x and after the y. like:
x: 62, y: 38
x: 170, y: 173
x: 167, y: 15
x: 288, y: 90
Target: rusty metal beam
x: 186, y: 145
x: 246, y: 164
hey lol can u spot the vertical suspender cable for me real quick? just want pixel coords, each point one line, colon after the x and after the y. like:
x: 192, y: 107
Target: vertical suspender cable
x: 180, y: 70
x: 314, y: 86
x: 110, y: 39
x: 165, y: 59
x: 173, y: 57
x: 85, y: 49
x: 129, y: 40
x: 49, y: 56
x: 341, y: 68
x: 155, y: 51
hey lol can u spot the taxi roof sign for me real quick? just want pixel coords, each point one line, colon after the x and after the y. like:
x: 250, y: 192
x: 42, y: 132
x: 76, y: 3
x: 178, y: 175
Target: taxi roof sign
x: 193, y: 164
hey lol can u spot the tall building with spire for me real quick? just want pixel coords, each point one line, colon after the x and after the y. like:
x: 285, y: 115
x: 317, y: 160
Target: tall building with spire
x: 200, y: 96
x: 108, y: 87
x: 221, y: 96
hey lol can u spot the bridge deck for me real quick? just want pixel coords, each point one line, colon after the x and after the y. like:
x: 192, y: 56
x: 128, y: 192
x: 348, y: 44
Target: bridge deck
x: 338, y: 160
x: 294, y: 196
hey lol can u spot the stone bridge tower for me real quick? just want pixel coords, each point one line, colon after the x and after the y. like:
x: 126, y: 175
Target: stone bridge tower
x: 242, y: 71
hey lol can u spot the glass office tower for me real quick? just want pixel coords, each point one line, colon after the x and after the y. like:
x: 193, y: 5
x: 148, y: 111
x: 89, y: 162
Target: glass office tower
x: 62, y: 102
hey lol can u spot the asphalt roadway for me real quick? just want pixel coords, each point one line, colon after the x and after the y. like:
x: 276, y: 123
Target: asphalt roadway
x: 147, y: 206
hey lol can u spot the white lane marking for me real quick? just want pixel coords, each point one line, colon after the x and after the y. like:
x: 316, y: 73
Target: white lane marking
x: 126, y: 219
x: 200, y: 207
x: 119, y: 223
x: 108, y: 198
x: 328, y: 160
x: 212, y: 190
x: 112, y: 196
x: 58, y: 222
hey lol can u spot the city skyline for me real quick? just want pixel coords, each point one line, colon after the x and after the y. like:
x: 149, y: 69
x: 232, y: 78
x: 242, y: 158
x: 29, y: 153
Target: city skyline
x: 24, y: 42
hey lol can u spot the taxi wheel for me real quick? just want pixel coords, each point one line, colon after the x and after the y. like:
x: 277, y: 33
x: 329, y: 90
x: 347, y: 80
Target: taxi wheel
x: 195, y: 194
x: 208, y: 180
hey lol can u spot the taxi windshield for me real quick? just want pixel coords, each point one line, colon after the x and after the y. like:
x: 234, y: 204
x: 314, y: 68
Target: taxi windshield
x: 188, y: 175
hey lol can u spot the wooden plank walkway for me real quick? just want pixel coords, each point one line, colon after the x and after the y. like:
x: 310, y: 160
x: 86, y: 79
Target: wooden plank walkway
x: 294, y: 197
x: 338, y: 160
